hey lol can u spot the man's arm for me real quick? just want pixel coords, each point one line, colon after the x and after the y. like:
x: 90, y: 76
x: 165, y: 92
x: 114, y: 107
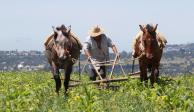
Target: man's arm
x: 87, y: 53
x: 112, y: 45
x: 86, y: 47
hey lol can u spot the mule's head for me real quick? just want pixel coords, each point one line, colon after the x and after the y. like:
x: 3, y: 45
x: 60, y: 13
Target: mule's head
x: 62, y: 35
x: 148, y: 39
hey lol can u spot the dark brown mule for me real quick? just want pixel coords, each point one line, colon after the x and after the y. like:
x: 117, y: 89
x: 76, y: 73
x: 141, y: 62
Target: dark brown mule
x: 149, y: 53
x: 62, y: 52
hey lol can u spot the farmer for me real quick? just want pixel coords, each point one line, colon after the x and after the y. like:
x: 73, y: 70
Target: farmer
x: 96, y: 48
x: 161, y: 39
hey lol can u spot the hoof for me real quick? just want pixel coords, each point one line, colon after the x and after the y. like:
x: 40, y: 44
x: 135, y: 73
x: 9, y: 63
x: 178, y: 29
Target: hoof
x: 65, y: 96
x: 57, y: 92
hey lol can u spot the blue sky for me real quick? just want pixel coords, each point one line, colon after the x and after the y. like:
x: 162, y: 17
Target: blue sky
x: 24, y: 24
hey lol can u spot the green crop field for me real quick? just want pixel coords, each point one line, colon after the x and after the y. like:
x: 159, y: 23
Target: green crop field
x: 34, y: 91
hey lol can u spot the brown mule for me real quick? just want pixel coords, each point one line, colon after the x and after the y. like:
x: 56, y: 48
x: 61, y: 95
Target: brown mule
x: 62, y: 52
x: 149, y: 53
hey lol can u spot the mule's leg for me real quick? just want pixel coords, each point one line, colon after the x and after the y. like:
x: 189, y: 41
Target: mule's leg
x: 154, y: 75
x: 56, y: 76
x: 157, y: 72
x: 67, y: 77
x: 157, y: 75
x: 143, y: 71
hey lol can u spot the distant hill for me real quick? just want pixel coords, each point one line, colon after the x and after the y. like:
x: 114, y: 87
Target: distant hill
x: 176, y: 59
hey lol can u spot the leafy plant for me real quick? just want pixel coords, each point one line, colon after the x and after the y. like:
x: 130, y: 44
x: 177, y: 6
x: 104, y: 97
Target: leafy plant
x: 34, y: 91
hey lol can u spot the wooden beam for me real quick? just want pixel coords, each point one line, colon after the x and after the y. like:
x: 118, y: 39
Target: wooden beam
x: 135, y: 73
x: 70, y: 79
x: 100, y: 81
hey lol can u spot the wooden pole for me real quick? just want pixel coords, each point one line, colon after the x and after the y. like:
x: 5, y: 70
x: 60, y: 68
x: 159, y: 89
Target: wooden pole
x: 100, y: 81
x: 135, y: 73
x: 113, y: 66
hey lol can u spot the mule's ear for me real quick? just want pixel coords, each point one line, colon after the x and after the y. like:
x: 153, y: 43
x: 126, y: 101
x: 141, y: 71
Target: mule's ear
x: 142, y: 29
x: 69, y: 29
x: 155, y: 28
x: 54, y: 29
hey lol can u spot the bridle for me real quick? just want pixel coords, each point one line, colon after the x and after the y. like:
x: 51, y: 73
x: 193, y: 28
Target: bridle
x: 143, y: 43
x: 67, y: 44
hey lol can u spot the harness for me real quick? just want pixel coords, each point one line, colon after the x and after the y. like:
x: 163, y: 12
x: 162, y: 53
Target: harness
x: 68, y: 48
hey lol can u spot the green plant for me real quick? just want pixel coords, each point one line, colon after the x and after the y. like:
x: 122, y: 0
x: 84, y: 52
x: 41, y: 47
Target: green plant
x: 34, y: 91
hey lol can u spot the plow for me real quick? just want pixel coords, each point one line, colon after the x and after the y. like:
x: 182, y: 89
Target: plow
x: 110, y: 77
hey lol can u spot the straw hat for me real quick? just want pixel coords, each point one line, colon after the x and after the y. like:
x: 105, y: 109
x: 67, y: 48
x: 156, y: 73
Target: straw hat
x: 96, y: 31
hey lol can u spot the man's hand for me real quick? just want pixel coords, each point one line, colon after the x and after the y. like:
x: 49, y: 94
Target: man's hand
x: 116, y: 51
x: 89, y: 58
